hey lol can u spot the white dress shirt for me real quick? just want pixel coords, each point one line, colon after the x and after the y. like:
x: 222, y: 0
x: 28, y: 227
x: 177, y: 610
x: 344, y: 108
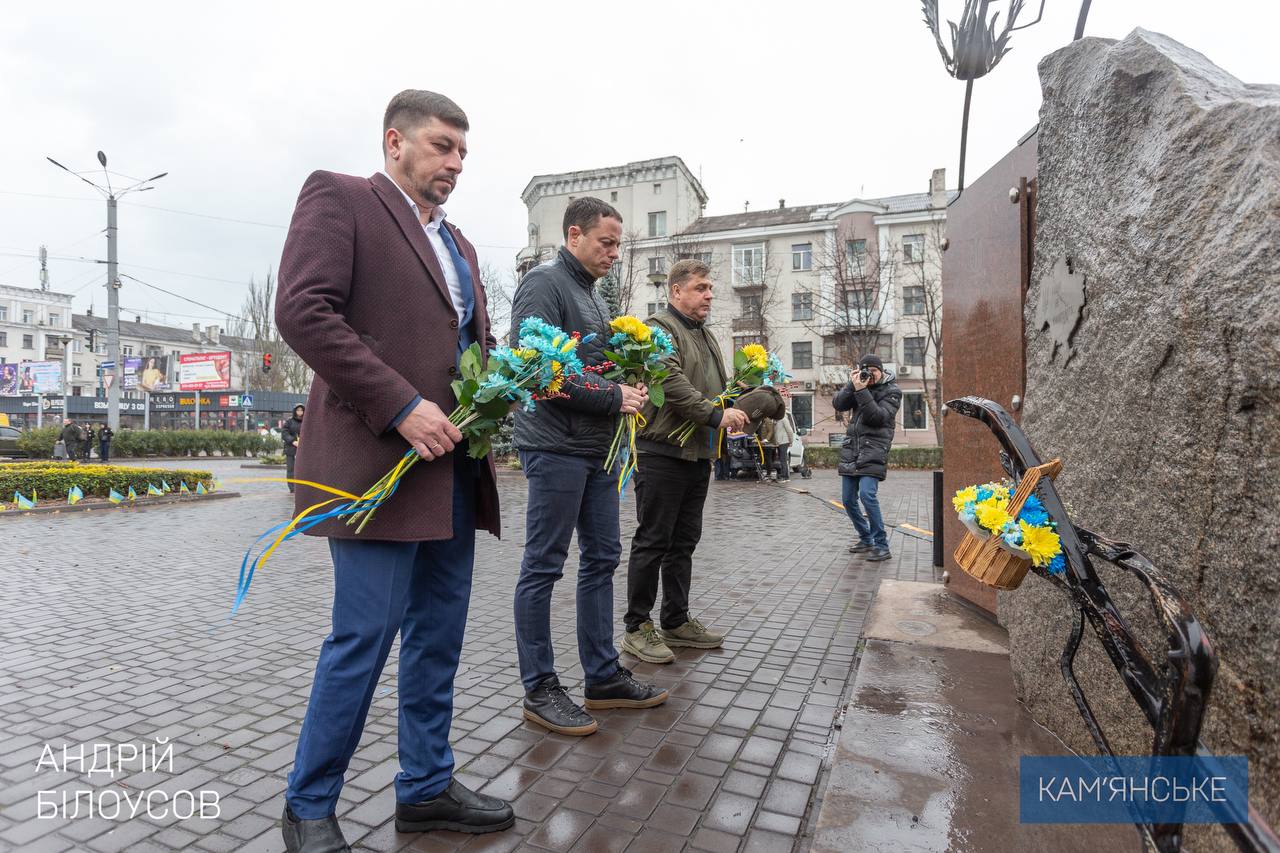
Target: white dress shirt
x: 432, y: 230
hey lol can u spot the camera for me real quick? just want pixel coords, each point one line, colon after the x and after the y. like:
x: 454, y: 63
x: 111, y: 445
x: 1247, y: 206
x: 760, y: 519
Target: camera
x: 864, y: 374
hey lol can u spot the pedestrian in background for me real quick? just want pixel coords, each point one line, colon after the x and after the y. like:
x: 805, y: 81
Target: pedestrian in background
x: 104, y: 443
x: 290, y: 434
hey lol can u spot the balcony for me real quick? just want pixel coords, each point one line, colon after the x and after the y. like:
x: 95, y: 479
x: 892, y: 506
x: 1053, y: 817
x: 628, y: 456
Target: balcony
x: 749, y: 323
x: 747, y: 279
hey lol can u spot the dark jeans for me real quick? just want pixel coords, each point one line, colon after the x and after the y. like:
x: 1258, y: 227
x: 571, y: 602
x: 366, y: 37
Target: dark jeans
x: 421, y: 590
x: 104, y: 451
x: 288, y: 466
x: 871, y: 527
x: 722, y: 468
x: 669, y: 497
x: 568, y: 493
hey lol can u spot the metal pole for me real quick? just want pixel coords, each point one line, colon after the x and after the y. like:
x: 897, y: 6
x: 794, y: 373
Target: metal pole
x: 113, y: 319
x: 937, y: 519
x: 146, y: 411
x: 197, y: 410
x: 66, y: 377
x: 39, y: 411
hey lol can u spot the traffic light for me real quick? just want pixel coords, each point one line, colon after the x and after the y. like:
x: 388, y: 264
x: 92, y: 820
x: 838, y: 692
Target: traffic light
x: 93, y: 340
x: 266, y: 362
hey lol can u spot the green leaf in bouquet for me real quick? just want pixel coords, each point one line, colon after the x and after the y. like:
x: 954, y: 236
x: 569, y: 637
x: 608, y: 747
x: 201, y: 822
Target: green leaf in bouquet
x: 659, y: 375
x: 614, y: 357
x: 739, y: 362
x: 657, y: 395
x: 479, y: 449
x: 471, y: 364
x: 495, y: 408
x: 456, y: 385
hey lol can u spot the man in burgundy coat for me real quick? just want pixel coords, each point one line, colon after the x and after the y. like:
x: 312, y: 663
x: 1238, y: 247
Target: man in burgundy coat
x: 379, y: 294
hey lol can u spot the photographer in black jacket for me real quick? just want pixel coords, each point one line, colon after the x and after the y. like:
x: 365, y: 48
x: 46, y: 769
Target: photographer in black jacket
x: 873, y: 398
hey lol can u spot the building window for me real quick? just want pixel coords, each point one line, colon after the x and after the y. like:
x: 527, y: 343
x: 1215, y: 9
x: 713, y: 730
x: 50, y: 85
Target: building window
x: 802, y: 355
x: 802, y: 306
x: 751, y: 306
x: 28, y: 316
x: 657, y: 189
x: 740, y: 341
x: 75, y: 390
x: 658, y: 224
x: 802, y: 410
x: 913, y: 351
x: 126, y: 350
x: 748, y: 265
x: 655, y: 307
x: 860, y: 300
x: 657, y: 266
x: 913, y: 248
x: 613, y: 196
x: 28, y: 342
x: 913, y: 299
x: 4, y: 313
x: 154, y: 351
x: 856, y: 254
x: 846, y: 349
x: 75, y: 369
x: 802, y: 257
x: 915, y: 414
x: 55, y: 320
x: 4, y: 341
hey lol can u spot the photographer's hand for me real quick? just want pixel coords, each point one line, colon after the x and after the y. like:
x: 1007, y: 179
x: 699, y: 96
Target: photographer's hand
x: 856, y: 378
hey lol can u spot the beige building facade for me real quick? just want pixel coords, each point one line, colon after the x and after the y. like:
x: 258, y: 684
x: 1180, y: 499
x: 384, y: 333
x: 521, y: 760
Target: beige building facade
x: 819, y: 284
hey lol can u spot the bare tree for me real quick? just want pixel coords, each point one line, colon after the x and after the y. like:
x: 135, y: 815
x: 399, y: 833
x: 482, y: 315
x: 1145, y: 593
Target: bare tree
x: 848, y: 309
x: 500, y: 291
x: 256, y: 324
x: 921, y: 284
x: 632, y: 271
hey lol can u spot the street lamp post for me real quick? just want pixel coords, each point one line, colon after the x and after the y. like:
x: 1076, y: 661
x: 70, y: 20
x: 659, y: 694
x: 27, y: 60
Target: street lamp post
x: 113, y: 280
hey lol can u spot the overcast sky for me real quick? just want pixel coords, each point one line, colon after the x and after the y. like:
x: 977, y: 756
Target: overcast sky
x: 238, y: 102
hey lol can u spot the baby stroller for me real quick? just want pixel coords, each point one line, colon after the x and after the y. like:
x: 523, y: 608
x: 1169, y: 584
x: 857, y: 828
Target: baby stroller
x: 743, y: 454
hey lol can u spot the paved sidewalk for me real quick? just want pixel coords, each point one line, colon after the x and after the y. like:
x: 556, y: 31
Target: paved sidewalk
x: 116, y: 632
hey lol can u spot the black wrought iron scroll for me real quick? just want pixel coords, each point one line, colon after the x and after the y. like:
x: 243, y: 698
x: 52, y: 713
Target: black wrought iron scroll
x: 1174, y: 692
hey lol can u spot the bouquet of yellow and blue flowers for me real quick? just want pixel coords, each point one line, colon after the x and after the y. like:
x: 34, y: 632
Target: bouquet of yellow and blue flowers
x: 753, y: 366
x: 984, y: 510
x: 534, y: 370
x: 637, y: 353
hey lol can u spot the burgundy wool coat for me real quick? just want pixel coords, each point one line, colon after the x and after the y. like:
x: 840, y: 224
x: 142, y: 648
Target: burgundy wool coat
x: 363, y: 300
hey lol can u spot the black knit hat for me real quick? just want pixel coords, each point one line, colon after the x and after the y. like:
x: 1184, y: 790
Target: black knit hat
x: 871, y: 360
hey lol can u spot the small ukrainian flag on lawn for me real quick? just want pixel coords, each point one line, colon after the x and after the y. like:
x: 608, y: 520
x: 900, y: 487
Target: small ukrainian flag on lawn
x: 153, y: 489
x: 200, y: 489
x: 164, y: 484
x: 115, y: 497
x: 133, y: 496
x: 182, y: 488
x: 74, y: 495
x: 23, y: 501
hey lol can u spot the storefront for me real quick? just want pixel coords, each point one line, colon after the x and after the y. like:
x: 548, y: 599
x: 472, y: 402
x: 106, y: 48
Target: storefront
x: 177, y: 410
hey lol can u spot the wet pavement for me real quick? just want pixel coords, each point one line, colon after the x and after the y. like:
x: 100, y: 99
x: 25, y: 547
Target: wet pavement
x: 117, y: 632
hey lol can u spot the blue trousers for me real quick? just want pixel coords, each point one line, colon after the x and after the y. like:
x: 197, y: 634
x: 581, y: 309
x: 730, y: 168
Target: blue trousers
x: 568, y: 493
x: 871, y: 526
x: 421, y: 590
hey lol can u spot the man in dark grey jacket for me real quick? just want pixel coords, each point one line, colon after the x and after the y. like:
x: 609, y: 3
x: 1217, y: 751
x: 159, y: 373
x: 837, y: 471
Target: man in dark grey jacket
x: 872, y: 399
x: 562, y: 445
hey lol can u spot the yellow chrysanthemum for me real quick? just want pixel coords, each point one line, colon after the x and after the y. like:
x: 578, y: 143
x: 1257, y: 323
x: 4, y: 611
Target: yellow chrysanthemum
x: 757, y: 355
x: 526, y: 353
x: 992, y: 515
x: 963, y: 496
x: 558, y: 371
x: 632, y: 327
x: 1042, y: 543
x: 569, y: 345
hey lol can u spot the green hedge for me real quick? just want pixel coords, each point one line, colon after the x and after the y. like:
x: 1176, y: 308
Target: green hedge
x: 899, y: 457
x: 52, y: 480
x: 182, y: 442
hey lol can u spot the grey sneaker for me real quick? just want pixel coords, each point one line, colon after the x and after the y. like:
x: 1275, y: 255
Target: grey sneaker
x: 692, y: 634
x: 879, y: 555
x: 647, y: 645
x: 860, y: 547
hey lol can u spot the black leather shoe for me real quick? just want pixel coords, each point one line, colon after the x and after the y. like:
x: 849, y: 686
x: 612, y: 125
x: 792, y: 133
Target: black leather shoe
x: 860, y: 547
x: 623, y: 691
x: 879, y: 555
x: 312, y: 836
x: 457, y: 808
x: 549, y: 706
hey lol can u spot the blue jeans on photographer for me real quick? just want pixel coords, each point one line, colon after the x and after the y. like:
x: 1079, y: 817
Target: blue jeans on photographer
x: 568, y: 493
x: 871, y: 526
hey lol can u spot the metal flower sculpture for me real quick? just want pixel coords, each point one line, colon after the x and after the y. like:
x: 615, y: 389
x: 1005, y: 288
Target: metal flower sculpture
x: 975, y: 47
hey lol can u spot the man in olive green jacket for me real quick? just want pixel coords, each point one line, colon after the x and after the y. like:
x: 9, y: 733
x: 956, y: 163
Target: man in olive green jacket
x: 672, y: 478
